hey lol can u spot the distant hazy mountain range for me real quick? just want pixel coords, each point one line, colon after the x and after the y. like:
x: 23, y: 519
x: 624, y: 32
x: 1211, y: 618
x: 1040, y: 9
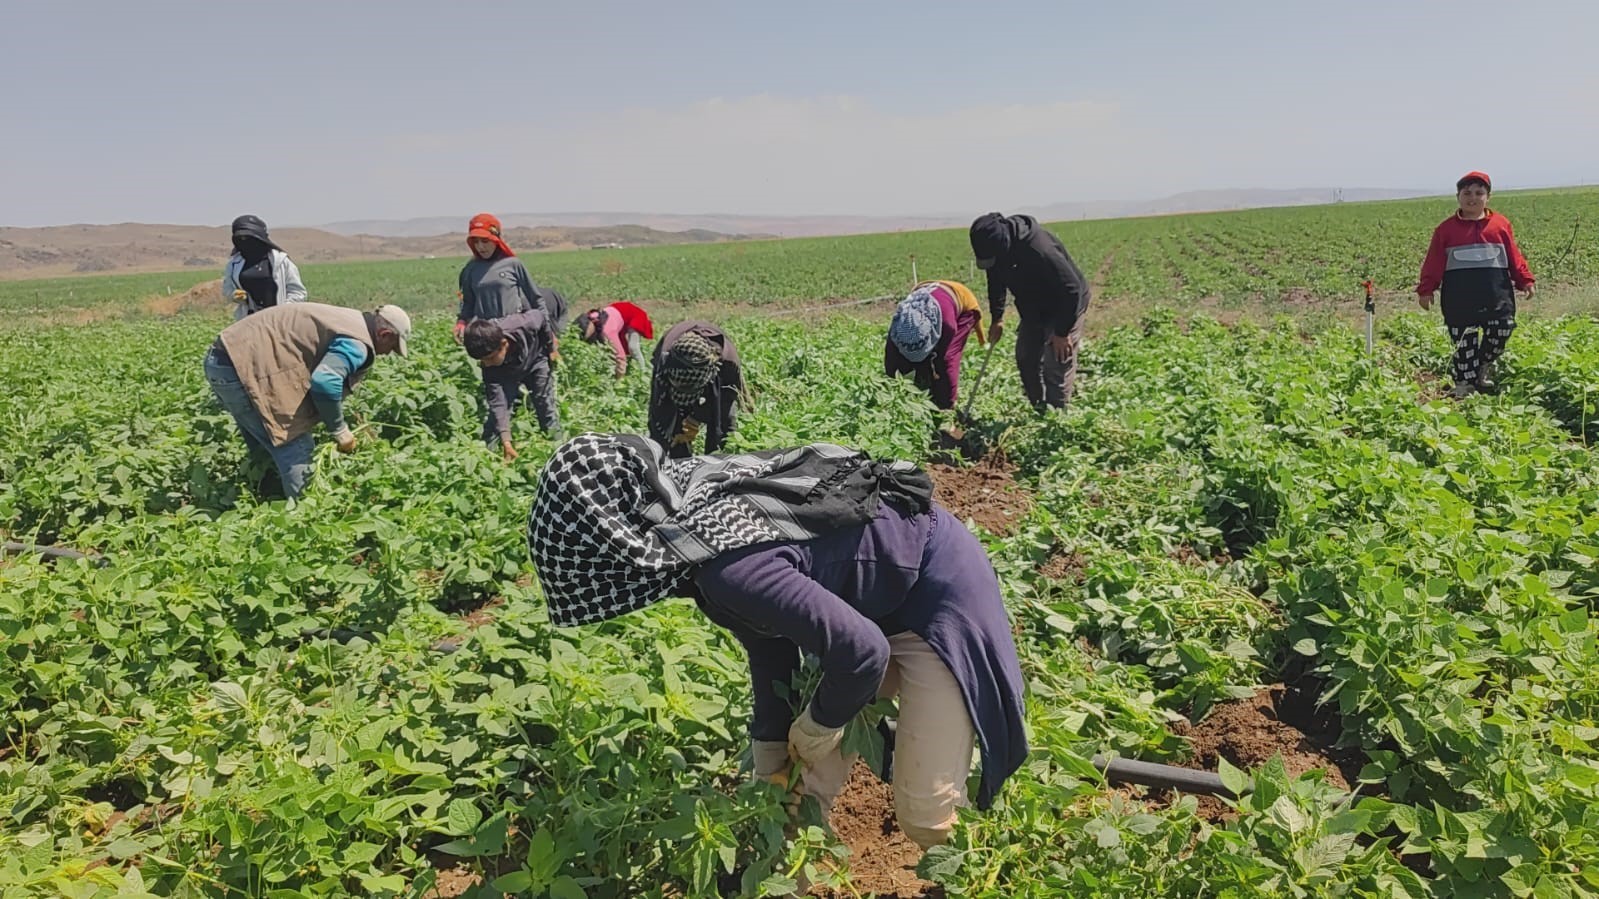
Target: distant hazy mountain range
x: 816, y: 225
x: 132, y: 247
x: 128, y: 247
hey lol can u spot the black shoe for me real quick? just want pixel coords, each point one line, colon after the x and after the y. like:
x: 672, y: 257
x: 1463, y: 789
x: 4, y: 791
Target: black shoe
x: 888, y: 729
x: 1485, y: 377
x: 269, y: 485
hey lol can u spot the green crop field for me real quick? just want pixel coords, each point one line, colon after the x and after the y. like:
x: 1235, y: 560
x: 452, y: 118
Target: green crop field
x: 361, y: 694
x: 1275, y: 257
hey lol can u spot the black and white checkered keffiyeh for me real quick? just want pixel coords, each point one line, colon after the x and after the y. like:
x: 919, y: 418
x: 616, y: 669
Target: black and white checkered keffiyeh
x: 689, y: 367
x: 616, y: 526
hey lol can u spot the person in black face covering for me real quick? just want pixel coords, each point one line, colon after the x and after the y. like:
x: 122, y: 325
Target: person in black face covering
x: 259, y: 274
x: 1022, y: 257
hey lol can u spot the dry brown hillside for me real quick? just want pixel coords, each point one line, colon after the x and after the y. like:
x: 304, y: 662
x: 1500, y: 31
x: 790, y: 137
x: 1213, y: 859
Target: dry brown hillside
x: 87, y: 249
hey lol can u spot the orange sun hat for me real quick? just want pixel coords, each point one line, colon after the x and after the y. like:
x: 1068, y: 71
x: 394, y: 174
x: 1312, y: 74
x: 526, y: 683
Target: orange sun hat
x: 488, y: 227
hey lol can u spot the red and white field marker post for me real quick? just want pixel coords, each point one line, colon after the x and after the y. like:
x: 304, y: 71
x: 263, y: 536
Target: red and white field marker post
x: 1371, y: 317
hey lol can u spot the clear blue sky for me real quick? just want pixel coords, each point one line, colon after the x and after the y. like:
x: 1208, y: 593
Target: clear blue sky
x: 309, y: 112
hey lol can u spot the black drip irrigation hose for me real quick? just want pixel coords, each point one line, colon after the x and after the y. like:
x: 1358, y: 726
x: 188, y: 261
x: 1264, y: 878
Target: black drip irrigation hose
x: 1169, y: 777
x: 1115, y: 768
x: 339, y: 634
x: 345, y: 635
x: 12, y: 548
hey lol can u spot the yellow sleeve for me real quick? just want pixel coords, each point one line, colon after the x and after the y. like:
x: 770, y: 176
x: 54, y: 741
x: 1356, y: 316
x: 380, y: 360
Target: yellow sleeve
x: 966, y: 301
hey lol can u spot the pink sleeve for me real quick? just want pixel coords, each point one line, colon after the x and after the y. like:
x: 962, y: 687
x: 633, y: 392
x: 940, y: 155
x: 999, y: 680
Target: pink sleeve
x: 946, y: 310
x: 613, y: 333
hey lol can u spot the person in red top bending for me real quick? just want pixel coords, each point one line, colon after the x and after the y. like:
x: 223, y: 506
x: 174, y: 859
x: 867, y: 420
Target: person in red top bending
x: 620, y: 324
x: 1474, y: 258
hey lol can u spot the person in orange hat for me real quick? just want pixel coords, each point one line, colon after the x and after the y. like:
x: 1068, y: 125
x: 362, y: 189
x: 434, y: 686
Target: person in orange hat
x: 494, y: 284
x: 1474, y: 258
x: 503, y: 311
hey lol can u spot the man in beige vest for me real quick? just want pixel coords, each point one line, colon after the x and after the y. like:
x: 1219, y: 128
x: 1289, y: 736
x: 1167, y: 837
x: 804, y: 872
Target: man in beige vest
x: 283, y: 369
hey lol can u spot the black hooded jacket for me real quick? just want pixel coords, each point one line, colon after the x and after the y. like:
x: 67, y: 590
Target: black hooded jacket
x: 1034, y: 266
x: 718, y: 404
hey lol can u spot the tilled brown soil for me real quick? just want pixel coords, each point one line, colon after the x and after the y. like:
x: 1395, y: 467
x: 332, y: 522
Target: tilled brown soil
x: 205, y: 295
x: 453, y: 881
x: 882, y: 859
x: 1432, y: 387
x: 1249, y: 732
x: 454, y: 877
x: 483, y: 614
x: 1275, y: 721
x: 1064, y: 566
x: 985, y: 493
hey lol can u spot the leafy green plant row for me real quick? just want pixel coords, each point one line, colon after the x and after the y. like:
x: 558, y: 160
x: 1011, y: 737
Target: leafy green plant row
x: 1430, y: 561
x: 1232, y: 257
x: 253, y: 699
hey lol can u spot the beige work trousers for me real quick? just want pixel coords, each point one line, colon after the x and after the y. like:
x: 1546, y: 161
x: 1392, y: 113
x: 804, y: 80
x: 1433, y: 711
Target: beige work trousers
x: 933, y: 742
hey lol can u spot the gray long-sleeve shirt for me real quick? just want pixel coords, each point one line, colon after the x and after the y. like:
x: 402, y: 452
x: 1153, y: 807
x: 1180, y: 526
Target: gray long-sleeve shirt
x: 530, y: 340
x: 495, y: 288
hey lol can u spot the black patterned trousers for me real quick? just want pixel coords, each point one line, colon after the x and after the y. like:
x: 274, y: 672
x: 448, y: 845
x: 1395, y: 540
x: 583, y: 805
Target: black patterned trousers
x: 1479, y: 345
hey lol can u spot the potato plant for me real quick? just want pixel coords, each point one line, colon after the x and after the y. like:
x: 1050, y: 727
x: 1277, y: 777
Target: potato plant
x: 353, y: 694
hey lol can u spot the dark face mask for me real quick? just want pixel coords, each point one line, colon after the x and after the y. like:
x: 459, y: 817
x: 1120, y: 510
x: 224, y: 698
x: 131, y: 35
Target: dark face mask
x: 990, y: 238
x: 252, y: 249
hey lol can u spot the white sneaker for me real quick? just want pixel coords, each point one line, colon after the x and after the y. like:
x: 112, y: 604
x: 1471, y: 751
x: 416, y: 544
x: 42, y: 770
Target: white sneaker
x: 1463, y: 390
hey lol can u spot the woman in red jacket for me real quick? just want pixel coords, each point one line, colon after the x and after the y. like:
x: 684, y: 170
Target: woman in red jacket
x: 620, y: 324
x: 1474, y: 258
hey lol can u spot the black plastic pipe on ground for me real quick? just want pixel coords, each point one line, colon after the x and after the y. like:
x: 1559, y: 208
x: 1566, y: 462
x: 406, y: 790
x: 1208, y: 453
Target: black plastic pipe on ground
x: 12, y: 548
x: 1169, y: 777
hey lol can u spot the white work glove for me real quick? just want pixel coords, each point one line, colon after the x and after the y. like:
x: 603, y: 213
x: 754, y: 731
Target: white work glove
x: 771, y: 762
x: 817, y: 750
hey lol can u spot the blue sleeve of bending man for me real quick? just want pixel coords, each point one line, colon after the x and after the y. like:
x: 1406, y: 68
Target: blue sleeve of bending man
x: 344, y: 357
